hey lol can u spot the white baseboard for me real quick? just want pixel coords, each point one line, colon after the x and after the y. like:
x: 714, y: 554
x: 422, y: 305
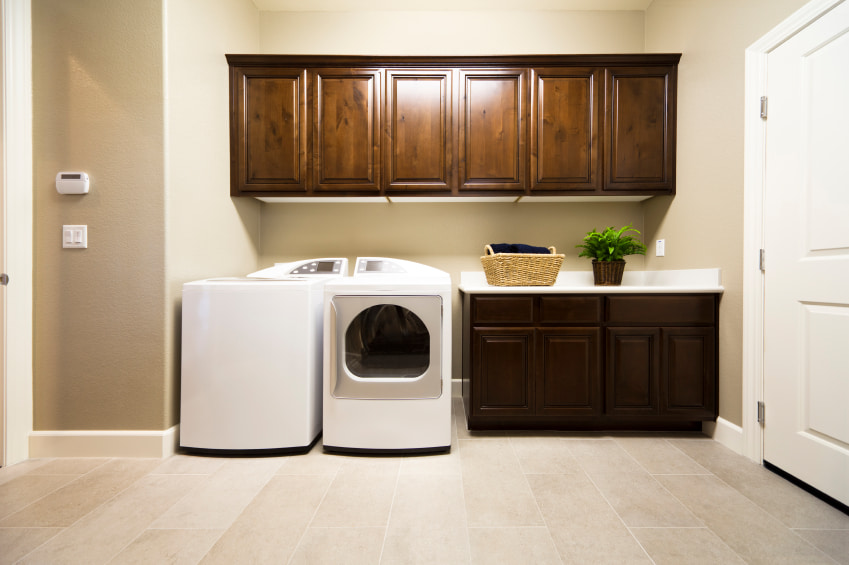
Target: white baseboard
x: 104, y: 443
x: 728, y: 434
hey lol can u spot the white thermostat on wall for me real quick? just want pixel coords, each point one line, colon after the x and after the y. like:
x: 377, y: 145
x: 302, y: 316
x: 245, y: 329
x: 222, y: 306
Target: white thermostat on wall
x: 72, y: 183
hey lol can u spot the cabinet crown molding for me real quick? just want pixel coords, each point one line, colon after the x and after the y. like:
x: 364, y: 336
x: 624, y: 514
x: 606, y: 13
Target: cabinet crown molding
x: 390, y: 61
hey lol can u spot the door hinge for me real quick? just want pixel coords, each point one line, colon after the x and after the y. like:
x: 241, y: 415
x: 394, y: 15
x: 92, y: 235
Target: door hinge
x: 761, y: 412
x: 763, y: 107
x: 762, y: 260
x: 4, y: 279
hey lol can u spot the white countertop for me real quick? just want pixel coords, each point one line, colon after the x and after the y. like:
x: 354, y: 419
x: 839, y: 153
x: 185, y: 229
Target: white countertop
x: 581, y: 282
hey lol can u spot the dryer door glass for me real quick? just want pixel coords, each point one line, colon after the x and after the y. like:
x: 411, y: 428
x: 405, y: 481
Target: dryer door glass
x: 387, y: 340
x: 385, y: 346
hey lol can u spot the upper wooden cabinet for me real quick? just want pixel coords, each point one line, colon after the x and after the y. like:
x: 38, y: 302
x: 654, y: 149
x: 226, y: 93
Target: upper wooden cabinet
x: 640, y: 128
x: 420, y: 130
x: 346, y: 130
x: 268, y: 125
x: 536, y: 125
x: 565, y: 152
x: 493, y: 131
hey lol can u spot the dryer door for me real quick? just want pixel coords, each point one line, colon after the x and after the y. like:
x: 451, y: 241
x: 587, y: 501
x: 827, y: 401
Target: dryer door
x: 386, y: 347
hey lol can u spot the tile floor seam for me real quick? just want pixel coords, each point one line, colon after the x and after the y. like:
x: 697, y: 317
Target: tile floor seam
x: 536, y: 502
x: 153, y: 519
x: 765, y: 511
x: 389, y: 515
x: 36, y: 548
x: 312, y: 518
x: 46, y: 494
x: 621, y: 519
x: 628, y: 453
x: 774, y: 517
x: 679, y: 501
x: 94, y: 509
x: 463, y: 494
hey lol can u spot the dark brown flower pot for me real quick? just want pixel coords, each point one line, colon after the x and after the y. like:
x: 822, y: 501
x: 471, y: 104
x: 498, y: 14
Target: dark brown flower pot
x: 608, y: 273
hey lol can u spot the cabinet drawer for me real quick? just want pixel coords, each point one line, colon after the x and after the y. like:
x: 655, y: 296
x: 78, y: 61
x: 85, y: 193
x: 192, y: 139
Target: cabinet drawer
x: 570, y: 309
x: 502, y: 309
x: 661, y: 310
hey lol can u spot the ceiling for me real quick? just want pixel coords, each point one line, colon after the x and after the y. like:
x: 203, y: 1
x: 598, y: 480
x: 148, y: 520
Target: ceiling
x: 441, y: 5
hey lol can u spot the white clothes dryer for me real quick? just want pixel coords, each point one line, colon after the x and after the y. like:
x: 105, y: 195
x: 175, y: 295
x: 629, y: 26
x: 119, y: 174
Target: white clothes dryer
x: 387, y: 359
x: 251, y: 359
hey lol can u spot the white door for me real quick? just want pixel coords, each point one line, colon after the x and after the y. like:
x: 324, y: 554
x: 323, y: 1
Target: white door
x: 806, y: 234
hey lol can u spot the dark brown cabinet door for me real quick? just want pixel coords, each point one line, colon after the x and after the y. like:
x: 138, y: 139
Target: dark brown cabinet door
x: 268, y: 130
x: 419, y: 130
x: 688, y: 372
x: 564, y: 143
x: 502, y: 371
x: 633, y: 370
x: 568, y: 367
x: 492, y: 137
x: 639, y: 125
x: 346, y: 130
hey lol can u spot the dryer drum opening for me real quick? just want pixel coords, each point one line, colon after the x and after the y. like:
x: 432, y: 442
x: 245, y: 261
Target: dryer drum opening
x: 387, y: 340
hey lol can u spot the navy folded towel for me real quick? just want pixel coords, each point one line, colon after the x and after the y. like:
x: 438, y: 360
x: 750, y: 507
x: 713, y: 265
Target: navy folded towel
x: 518, y: 248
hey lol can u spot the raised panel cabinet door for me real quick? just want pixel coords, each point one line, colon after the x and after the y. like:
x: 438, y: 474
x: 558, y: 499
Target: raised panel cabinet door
x: 268, y: 134
x: 639, y: 127
x: 564, y: 142
x: 492, y: 137
x: 688, y: 372
x: 502, y: 371
x: 569, y: 379
x: 420, y: 130
x: 633, y: 370
x: 346, y: 127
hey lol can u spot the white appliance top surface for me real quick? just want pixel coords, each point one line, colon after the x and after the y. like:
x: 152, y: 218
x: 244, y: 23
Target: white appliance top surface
x: 581, y: 282
x: 294, y: 281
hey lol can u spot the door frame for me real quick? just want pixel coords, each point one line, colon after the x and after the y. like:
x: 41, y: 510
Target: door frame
x: 17, y: 192
x: 753, y: 206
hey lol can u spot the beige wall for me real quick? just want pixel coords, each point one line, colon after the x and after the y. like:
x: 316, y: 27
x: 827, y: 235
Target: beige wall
x: 99, y: 316
x: 451, y: 33
x: 703, y: 223
x: 209, y: 233
x: 151, y: 129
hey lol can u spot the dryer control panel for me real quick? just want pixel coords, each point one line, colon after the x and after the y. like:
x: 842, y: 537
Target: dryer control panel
x: 330, y: 266
x: 318, y: 267
x: 376, y: 265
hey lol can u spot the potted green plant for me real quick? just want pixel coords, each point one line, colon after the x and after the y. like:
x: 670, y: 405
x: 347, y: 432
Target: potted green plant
x: 607, y: 249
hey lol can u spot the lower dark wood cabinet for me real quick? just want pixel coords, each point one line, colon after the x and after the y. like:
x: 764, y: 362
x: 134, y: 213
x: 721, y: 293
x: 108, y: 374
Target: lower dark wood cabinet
x: 553, y: 361
x: 569, y: 362
x: 504, y: 361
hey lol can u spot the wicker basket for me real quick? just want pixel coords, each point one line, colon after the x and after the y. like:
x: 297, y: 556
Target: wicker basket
x: 521, y: 269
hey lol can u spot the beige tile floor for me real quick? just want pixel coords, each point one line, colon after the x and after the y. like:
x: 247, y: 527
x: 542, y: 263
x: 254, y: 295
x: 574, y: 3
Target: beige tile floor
x: 513, y: 498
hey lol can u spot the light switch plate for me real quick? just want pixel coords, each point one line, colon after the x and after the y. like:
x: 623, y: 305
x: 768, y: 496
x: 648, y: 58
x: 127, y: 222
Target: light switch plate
x: 74, y: 237
x: 660, y: 248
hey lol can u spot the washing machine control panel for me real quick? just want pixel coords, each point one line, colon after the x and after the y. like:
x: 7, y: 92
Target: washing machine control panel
x: 318, y: 267
x: 378, y: 266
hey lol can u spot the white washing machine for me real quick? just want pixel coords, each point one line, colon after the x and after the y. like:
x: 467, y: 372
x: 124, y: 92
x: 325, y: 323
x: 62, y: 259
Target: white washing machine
x: 387, y: 358
x: 251, y: 358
